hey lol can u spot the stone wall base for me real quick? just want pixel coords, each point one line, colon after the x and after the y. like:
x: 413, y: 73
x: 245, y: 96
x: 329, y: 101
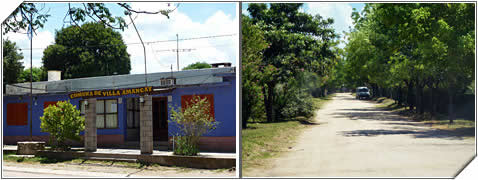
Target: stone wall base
x: 103, y: 140
x: 29, y: 147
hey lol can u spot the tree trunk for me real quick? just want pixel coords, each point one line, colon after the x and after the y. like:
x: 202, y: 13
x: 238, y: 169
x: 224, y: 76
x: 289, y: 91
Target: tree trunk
x: 451, y: 112
x: 269, y: 102
x: 410, y: 96
x: 432, y: 101
x: 419, y: 98
x: 399, y: 95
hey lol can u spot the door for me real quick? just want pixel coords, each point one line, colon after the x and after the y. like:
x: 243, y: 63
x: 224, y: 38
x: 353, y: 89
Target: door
x: 160, y: 119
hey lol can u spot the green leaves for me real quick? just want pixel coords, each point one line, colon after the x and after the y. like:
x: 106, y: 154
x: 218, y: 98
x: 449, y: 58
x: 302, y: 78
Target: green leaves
x: 197, y: 65
x: 193, y: 122
x: 87, y: 51
x: 62, y: 121
x: 12, y: 67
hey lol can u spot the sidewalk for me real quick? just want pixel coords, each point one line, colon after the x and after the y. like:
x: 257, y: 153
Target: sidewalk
x: 138, y: 152
x: 209, y: 160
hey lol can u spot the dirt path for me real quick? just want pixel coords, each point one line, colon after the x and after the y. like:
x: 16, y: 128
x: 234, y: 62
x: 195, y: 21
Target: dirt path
x: 92, y: 169
x: 356, y: 139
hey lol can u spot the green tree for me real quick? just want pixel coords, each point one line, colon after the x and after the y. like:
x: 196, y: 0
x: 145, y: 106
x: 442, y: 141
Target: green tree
x: 297, y: 42
x: 92, y: 50
x: 38, y: 75
x: 253, y: 45
x: 193, y: 122
x: 11, y: 62
x: 413, y: 48
x: 197, y: 65
x: 62, y: 121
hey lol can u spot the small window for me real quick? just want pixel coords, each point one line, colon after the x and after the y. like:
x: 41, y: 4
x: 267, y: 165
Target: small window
x: 82, y: 107
x: 132, y: 105
x: 106, y: 113
x: 17, y: 114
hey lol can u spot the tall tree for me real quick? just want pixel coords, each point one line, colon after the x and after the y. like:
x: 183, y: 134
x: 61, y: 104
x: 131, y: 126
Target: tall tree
x: 11, y: 62
x: 412, y: 47
x: 297, y: 41
x: 253, y: 45
x: 92, y: 50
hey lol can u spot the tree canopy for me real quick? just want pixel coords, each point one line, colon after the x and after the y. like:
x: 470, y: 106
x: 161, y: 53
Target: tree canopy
x: 297, y: 42
x: 197, y: 65
x: 92, y: 50
x: 38, y: 75
x: 413, y: 47
x: 11, y: 62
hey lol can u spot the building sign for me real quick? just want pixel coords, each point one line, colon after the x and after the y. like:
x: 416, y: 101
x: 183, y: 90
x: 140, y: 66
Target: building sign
x: 107, y: 93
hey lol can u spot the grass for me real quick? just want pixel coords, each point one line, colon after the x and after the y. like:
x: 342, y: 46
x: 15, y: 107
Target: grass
x: 440, y: 121
x: 262, y: 141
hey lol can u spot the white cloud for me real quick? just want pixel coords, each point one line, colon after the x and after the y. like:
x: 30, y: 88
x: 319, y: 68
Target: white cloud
x: 156, y: 27
x: 40, y: 41
x: 160, y: 56
x: 340, y: 12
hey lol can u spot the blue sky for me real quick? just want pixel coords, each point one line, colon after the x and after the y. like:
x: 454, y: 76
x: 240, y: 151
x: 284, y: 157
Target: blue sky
x: 189, y: 20
x: 340, y: 12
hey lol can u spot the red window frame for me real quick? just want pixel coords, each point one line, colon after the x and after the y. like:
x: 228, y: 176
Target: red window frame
x: 17, y: 114
x: 185, y: 99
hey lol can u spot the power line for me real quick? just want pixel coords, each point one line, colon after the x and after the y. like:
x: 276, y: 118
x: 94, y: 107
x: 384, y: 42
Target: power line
x: 148, y: 42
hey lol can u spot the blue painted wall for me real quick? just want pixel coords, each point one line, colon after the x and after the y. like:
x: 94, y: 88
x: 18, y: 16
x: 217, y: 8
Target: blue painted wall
x: 224, y: 108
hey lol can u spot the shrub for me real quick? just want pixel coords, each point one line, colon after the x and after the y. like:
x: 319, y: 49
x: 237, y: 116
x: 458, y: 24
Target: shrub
x: 193, y: 122
x: 186, y: 146
x: 62, y: 121
x: 299, y: 103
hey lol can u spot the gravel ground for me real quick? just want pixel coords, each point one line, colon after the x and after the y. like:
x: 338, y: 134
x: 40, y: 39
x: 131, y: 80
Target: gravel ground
x: 353, y: 138
x: 92, y: 169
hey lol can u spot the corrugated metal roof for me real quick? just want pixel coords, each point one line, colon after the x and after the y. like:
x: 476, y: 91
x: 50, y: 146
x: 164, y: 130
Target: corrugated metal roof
x: 186, y: 77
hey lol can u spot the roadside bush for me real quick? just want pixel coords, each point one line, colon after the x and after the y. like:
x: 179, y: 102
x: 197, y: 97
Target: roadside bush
x: 299, y: 103
x: 62, y: 121
x: 193, y: 122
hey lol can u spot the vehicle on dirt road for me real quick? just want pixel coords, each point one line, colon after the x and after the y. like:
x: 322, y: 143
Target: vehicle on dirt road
x: 362, y: 93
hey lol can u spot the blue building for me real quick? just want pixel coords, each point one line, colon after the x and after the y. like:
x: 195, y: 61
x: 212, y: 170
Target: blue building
x: 117, y: 106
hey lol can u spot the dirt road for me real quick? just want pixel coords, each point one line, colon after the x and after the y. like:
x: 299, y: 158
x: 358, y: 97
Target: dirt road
x: 95, y: 169
x: 354, y: 138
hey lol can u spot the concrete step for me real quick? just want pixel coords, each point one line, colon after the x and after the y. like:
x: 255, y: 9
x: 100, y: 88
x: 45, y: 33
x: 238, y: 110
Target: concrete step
x: 110, y: 159
x: 112, y: 155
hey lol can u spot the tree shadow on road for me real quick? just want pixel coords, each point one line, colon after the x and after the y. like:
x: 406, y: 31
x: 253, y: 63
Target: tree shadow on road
x: 455, y: 134
x: 396, y: 124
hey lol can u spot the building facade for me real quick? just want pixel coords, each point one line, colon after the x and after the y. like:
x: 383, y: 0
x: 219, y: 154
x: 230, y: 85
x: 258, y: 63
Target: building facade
x: 118, y: 106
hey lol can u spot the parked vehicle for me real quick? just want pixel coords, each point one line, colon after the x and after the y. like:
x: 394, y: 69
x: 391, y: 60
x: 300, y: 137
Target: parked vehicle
x: 362, y: 93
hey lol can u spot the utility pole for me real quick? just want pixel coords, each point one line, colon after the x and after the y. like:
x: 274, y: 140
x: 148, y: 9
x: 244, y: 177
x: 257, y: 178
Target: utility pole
x: 177, y: 50
x: 144, y: 51
x: 31, y: 77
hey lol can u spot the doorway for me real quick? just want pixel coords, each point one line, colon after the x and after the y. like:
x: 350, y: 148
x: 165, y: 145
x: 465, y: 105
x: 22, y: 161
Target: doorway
x: 160, y: 119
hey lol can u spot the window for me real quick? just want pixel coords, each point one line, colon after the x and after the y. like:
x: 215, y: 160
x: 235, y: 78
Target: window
x: 82, y: 107
x: 17, y: 114
x: 132, y: 105
x: 106, y: 113
x: 186, y: 99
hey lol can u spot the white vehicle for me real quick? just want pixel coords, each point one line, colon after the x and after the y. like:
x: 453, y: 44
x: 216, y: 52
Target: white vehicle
x: 362, y: 93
